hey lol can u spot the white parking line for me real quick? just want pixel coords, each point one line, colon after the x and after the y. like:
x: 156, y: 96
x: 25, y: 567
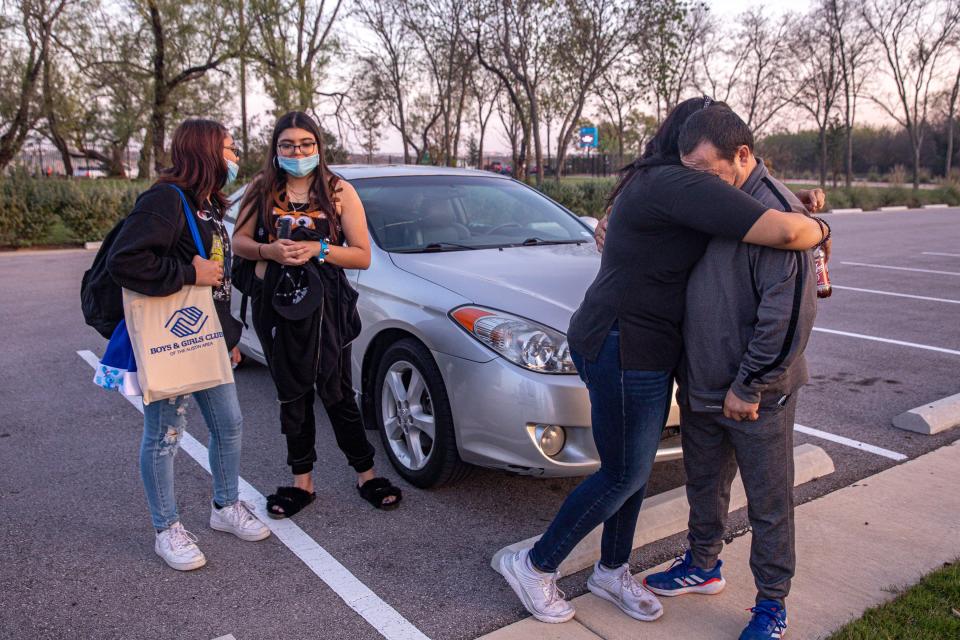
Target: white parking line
x: 915, y: 345
x: 898, y: 295
x: 381, y: 616
x: 937, y: 253
x: 883, y: 266
x: 856, y: 444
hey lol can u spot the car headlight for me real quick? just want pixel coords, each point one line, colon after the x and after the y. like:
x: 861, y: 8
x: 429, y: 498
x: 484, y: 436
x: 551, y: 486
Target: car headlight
x: 524, y: 342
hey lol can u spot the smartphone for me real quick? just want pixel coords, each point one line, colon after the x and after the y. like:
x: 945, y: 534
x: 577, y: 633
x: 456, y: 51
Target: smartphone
x: 283, y: 232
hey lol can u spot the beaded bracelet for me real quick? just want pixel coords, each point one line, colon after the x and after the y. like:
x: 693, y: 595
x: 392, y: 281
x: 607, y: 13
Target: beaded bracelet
x: 826, y: 236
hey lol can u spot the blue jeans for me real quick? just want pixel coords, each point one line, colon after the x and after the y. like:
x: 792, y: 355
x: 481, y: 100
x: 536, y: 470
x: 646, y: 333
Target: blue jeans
x: 629, y: 410
x: 163, y: 424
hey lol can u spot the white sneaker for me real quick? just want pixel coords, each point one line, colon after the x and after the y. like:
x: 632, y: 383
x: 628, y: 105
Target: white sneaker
x: 239, y: 520
x: 625, y: 591
x: 178, y: 548
x: 538, y: 591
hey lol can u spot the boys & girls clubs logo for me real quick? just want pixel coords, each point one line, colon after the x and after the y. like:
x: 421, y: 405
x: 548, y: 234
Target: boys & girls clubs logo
x: 187, y: 324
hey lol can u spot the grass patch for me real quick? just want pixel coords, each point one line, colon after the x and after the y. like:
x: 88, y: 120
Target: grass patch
x: 929, y: 610
x: 872, y: 198
x: 586, y: 195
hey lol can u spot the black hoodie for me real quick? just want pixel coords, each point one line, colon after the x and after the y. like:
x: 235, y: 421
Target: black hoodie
x: 154, y: 248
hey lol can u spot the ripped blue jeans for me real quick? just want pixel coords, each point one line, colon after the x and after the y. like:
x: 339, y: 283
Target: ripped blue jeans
x: 164, y: 422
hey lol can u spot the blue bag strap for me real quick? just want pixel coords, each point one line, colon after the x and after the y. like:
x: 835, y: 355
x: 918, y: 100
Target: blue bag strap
x: 191, y: 222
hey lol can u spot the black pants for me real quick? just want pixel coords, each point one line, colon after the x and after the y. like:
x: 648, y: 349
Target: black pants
x: 298, y: 423
x: 713, y: 448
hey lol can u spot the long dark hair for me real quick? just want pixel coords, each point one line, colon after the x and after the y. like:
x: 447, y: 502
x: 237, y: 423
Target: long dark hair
x: 258, y: 198
x: 196, y: 161
x: 664, y: 146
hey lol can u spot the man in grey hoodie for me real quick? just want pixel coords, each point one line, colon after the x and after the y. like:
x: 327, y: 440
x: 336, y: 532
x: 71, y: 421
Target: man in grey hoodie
x: 749, y: 314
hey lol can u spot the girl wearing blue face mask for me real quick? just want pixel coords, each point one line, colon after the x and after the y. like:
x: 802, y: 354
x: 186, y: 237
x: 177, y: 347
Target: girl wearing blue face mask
x: 155, y: 254
x: 303, y: 225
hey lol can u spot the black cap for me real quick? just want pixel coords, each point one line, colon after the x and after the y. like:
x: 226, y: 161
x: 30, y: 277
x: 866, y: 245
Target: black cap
x: 299, y: 291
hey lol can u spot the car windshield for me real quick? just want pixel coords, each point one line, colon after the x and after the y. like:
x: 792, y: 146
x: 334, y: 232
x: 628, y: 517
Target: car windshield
x: 410, y: 214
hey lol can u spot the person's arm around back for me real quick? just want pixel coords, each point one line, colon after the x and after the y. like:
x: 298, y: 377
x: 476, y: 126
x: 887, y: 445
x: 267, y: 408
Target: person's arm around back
x: 780, y: 230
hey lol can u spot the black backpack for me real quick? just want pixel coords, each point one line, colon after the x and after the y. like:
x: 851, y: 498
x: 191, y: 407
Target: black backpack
x: 101, y: 298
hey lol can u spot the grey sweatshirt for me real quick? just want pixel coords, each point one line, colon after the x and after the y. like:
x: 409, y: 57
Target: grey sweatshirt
x: 749, y: 314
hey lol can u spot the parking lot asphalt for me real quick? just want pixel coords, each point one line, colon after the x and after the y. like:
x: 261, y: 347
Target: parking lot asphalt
x: 76, y: 557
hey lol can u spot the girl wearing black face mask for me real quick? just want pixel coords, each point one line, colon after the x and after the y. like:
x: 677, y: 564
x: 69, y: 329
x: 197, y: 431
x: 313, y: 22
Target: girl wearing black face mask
x: 303, y: 226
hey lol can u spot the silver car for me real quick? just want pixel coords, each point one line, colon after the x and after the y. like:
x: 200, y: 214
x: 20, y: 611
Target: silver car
x: 463, y: 359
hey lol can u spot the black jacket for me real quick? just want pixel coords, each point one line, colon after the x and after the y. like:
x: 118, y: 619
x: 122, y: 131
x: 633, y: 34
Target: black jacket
x: 153, y: 250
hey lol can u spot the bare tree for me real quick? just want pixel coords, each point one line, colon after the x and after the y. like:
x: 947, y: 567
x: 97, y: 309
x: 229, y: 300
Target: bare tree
x: 618, y: 97
x: 511, y: 40
x: 485, y: 90
x: 765, y: 88
x: 391, y: 61
x: 439, y: 26
x: 854, y: 48
x: 817, y: 73
x: 719, y: 61
x: 912, y: 36
x: 668, y: 52
x: 369, y: 105
x: 951, y: 122
x: 512, y: 122
x: 35, y: 24
x: 293, y: 45
x: 589, y: 37
x: 188, y: 39
x: 109, y: 94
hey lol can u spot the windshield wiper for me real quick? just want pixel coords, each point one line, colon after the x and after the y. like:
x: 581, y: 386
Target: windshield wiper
x: 446, y: 246
x: 533, y: 242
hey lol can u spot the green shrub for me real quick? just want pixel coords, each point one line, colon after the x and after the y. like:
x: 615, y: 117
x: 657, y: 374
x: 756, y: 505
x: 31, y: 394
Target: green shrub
x: 23, y: 221
x: 583, y: 197
x: 81, y: 210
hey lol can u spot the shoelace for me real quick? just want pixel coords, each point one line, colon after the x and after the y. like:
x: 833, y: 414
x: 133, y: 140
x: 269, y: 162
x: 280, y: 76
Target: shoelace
x: 180, y: 538
x: 244, y: 511
x: 550, y: 589
x: 632, y: 585
x: 778, y: 624
x: 678, y: 562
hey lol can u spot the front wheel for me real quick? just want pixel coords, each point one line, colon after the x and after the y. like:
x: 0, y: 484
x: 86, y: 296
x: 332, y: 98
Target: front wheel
x: 414, y: 417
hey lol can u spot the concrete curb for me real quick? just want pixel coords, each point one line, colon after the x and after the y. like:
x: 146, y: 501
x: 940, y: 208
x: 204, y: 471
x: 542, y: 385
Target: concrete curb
x: 530, y: 628
x: 936, y: 206
x: 94, y: 246
x: 932, y: 418
x: 896, y: 208
x: 665, y: 514
x: 856, y: 210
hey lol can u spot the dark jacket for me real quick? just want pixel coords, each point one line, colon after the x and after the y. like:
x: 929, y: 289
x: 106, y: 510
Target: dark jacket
x: 154, y: 248
x: 750, y: 311
x: 312, y: 353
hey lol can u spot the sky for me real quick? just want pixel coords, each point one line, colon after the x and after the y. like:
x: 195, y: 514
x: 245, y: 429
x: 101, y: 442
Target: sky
x: 495, y: 140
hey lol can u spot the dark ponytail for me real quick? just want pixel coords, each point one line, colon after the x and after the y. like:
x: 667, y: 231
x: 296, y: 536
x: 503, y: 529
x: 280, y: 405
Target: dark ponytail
x: 664, y: 146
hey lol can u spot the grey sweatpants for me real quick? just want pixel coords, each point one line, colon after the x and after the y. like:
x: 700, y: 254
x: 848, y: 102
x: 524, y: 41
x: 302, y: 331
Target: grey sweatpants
x: 713, y: 448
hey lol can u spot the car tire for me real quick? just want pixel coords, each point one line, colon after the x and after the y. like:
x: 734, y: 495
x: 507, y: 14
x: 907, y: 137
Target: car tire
x: 422, y: 460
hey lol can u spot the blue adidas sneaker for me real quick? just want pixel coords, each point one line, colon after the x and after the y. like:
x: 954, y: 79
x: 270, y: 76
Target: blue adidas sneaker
x: 682, y: 577
x: 769, y: 622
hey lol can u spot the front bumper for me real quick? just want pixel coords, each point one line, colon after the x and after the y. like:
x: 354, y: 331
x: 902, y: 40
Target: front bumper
x: 497, y: 407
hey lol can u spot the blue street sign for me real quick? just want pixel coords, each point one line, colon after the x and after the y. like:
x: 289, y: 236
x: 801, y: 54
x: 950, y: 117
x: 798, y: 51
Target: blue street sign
x: 588, y: 137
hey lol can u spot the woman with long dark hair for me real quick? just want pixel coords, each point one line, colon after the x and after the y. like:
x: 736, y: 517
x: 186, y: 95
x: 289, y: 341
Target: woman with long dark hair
x: 303, y: 225
x: 155, y: 254
x: 625, y: 340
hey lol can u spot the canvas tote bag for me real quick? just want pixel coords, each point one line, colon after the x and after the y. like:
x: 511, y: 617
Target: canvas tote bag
x: 177, y: 339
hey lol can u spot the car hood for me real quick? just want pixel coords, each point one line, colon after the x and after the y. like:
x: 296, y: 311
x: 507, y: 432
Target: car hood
x: 544, y: 283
